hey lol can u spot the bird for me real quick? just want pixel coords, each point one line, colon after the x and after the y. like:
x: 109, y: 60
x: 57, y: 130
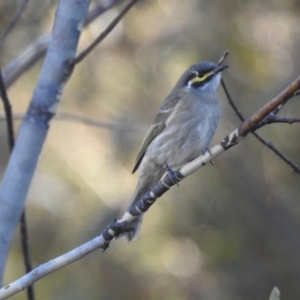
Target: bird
x: 181, y: 131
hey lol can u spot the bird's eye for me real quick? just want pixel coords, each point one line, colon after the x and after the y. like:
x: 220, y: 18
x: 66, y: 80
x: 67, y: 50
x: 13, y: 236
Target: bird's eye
x: 191, y: 76
x: 201, y: 75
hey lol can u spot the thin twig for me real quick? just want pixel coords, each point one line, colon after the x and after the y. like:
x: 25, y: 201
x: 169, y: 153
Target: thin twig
x: 26, y: 252
x: 276, y: 151
x: 23, y: 223
x: 30, y: 56
x: 221, y: 60
x: 14, y: 21
x: 231, y: 102
x: 105, y: 33
x: 90, y: 122
x: 99, y: 123
x: 268, y: 144
x: 8, y: 113
x: 26, y: 60
x: 271, y: 119
x: 99, y: 9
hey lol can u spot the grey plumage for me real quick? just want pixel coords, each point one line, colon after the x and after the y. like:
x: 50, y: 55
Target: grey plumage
x: 181, y: 131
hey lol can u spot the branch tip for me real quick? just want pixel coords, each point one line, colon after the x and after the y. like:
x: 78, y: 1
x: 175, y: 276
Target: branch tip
x: 221, y: 60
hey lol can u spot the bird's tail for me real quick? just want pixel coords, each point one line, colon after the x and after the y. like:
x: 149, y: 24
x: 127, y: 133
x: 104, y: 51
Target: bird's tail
x: 143, y: 186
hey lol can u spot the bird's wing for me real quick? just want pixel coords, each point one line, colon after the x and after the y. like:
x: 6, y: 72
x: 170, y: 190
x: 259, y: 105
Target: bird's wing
x: 159, y: 124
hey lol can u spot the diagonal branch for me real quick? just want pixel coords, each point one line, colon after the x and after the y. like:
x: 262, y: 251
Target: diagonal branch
x: 14, y: 21
x: 105, y: 33
x: 99, y: 9
x: 268, y: 144
x: 282, y: 98
x: 31, y: 55
x: 119, y: 226
x: 279, y: 153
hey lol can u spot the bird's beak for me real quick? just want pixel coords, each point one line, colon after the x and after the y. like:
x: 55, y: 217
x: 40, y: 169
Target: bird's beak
x: 220, y: 69
x: 217, y: 70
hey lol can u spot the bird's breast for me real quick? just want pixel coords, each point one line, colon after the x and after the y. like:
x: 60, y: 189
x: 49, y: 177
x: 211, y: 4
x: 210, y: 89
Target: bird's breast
x: 188, y: 132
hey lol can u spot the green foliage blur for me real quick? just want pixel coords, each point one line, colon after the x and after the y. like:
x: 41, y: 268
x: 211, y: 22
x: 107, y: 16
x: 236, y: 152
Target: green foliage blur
x: 230, y: 231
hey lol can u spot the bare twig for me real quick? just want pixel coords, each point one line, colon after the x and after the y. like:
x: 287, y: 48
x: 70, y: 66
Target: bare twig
x: 99, y: 123
x: 23, y: 223
x: 8, y: 113
x: 117, y: 227
x: 90, y: 122
x: 276, y: 151
x: 105, y: 33
x: 231, y: 102
x: 26, y: 60
x: 99, y: 9
x: 26, y: 252
x: 14, y: 21
x: 221, y: 60
x: 31, y: 55
x: 268, y: 144
x: 270, y: 119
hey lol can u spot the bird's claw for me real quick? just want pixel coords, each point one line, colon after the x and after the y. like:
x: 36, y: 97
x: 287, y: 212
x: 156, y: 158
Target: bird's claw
x: 172, y: 175
x: 208, y: 150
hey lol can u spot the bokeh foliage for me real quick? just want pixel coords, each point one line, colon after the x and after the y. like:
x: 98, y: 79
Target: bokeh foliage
x: 231, y: 231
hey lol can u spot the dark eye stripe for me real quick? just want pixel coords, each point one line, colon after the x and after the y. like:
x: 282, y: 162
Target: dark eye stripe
x: 199, y: 83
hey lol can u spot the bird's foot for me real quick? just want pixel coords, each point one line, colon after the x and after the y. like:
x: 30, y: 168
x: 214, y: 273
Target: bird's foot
x: 172, y: 175
x: 208, y: 150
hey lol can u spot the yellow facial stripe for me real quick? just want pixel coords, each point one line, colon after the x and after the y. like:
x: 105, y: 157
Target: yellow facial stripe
x: 200, y: 79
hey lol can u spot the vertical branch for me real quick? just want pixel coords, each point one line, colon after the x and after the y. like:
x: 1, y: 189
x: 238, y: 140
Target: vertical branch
x: 8, y: 113
x: 70, y: 17
x: 23, y: 224
x: 11, y: 141
x: 26, y: 252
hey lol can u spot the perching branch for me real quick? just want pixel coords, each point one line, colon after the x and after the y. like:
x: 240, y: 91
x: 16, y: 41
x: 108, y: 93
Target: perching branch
x: 119, y: 226
x: 263, y: 122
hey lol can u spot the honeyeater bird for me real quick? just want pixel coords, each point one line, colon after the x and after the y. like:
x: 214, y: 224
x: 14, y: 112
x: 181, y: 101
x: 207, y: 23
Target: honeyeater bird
x: 181, y: 131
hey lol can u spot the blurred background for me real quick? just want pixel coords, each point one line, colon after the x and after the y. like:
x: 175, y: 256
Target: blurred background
x: 230, y: 231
